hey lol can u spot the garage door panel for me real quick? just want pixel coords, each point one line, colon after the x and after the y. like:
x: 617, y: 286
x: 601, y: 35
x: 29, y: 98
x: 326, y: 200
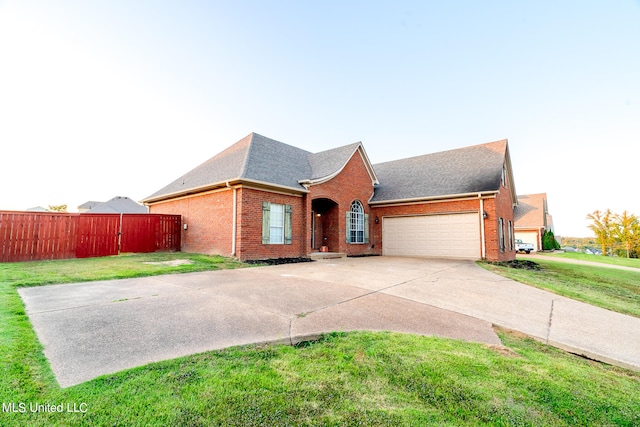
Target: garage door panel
x: 451, y: 236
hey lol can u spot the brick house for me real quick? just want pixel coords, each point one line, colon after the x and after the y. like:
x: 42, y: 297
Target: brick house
x: 532, y: 219
x: 262, y: 199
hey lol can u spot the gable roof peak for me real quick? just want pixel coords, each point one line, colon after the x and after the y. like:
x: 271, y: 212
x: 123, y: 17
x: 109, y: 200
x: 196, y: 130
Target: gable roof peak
x: 327, y: 164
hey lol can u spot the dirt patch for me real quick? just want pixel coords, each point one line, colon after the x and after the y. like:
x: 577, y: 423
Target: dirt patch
x: 502, y: 350
x: 521, y: 264
x: 172, y: 263
x: 277, y: 261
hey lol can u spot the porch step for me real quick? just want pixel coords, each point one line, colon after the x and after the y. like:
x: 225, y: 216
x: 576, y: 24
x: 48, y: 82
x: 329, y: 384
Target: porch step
x: 326, y: 255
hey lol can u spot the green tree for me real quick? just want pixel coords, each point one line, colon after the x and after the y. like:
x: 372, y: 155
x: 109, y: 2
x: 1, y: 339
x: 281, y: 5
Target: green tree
x: 547, y: 245
x: 603, y: 227
x: 58, y: 208
x: 635, y: 241
x: 549, y: 241
x: 625, y: 229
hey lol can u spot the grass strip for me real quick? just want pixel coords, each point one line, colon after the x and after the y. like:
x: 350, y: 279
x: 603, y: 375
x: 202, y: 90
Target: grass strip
x: 39, y: 273
x: 609, y: 288
x: 625, y: 262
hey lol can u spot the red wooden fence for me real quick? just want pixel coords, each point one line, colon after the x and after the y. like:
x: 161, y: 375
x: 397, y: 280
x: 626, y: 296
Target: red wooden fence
x: 97, y: 235
x: 26, y: 236
x: 150, y: 233
x: 30, y: 236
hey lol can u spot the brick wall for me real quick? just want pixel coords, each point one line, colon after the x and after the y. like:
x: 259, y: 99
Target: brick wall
x: 249, y: 232
x: 353, y: 183
x: 209, y: 221
x: 500, y: 207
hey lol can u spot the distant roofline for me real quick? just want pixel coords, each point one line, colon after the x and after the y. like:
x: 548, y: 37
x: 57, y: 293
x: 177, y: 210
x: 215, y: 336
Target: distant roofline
x: 533, y: 195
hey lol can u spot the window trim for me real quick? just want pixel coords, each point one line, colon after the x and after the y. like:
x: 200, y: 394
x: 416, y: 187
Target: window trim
x: 276, y: 223
x: 357, y: 224
x: 266, y: 224
x: 501, y: 240
x: 511, y: 236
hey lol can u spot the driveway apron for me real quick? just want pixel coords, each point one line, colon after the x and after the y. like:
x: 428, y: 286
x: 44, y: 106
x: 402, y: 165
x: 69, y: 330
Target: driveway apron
x: 96, y: 328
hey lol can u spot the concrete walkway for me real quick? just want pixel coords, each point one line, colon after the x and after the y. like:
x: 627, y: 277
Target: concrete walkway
x: 96, y: 328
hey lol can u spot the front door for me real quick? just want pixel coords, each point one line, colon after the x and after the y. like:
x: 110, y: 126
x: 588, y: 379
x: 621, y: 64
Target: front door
x: 317, y: 233
x: 325, y: 224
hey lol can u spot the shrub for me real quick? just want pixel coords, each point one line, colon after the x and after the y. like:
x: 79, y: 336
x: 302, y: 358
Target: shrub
x: 549, y: 241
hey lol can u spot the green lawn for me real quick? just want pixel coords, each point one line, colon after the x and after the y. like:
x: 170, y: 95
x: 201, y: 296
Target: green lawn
x: 344, y: 379
x: 626, y: 262
x: 113, y: 267
x: 610, y: 288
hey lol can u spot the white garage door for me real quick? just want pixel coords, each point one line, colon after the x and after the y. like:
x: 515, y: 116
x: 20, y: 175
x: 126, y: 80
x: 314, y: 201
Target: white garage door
x: 448, y: 236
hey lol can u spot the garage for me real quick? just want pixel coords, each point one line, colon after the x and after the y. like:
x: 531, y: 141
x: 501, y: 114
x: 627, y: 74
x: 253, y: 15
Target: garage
x: 445, y: 236
x: 532, y: 237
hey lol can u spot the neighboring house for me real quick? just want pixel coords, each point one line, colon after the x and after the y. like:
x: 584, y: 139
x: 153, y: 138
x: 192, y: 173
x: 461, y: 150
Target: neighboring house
x: 118, y: 204
x: 532, y: 219
x: 86, y: 206
x: 262, y: 199
x: 38, y: 209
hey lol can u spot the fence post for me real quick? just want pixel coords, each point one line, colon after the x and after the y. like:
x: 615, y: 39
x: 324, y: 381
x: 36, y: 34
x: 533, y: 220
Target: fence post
x: 120, y: 234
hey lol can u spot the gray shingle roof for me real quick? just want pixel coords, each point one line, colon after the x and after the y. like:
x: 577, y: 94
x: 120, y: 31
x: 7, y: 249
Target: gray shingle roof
x: 88, y: 205
x: 328, y: 162
x: 118, y: 204
x: 462, y: 171
x: 262, y: 159
x: 276, y: 163
x: 257, y: 158
x: 224, y: 166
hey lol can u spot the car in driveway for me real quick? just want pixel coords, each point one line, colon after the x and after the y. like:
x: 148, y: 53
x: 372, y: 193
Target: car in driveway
x: 524, y: 247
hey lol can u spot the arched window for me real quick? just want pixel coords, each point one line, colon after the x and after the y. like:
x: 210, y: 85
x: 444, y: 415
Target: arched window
x: 356, y: 223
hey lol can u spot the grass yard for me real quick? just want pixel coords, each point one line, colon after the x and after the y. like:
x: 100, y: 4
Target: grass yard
x: 626, y: 262
x: 610, y: 288
x: 113, y: 267
x: 369, y: 379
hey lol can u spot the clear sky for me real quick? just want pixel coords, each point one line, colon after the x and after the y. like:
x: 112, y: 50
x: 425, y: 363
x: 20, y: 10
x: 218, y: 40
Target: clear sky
x: 118, y: 98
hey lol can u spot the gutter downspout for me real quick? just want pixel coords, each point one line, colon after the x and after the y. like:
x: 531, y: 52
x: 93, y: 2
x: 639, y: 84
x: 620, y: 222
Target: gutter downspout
x: 234, y: 220
x: 482, y: 235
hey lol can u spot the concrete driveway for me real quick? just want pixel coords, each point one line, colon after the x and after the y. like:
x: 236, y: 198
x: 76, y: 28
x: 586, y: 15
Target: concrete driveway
x: 96, y: 328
